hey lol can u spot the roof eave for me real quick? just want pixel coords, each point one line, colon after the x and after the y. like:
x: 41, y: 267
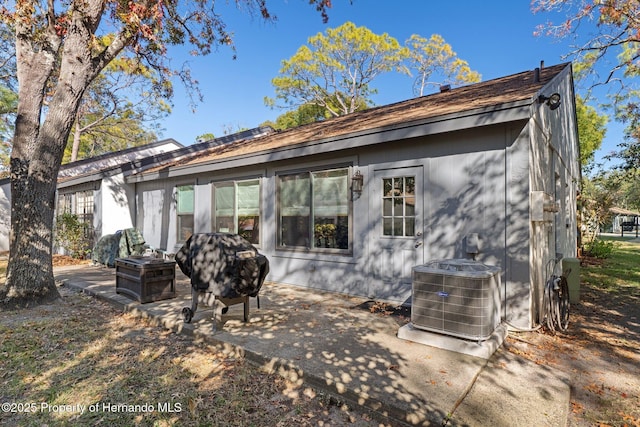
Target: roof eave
x: 485, y: 116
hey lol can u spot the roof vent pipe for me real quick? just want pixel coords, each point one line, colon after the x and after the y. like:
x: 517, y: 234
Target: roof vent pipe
x: 536, y: 75
x: 445, y: 88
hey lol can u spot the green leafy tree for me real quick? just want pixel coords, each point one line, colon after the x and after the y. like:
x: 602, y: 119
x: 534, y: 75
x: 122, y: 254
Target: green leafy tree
x: 434, y: 58
x: 304, y: 114
x: 629, y: 148
x: 335, y: 70
x: 631, y: 188
x: 60, y: 51
x: 591, y: 132
x: 205, y: 137
x: 70, y: 235
x: 612, y: 188
x: 608, y: 56
x: 599, y: 194
x: 593, y: 203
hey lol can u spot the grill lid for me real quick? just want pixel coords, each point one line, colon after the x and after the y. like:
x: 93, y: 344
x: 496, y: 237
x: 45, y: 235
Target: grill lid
x: 223, y: 263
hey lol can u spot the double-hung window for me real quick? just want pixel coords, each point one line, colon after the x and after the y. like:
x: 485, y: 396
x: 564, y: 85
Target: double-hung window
x: 184, y: 210
x: 236, y: 209
x: 313, y: 210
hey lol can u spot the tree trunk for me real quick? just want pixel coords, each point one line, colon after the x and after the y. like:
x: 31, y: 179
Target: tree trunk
x: 38, y: 147
x: 34, y: 180
x: 30, y: 278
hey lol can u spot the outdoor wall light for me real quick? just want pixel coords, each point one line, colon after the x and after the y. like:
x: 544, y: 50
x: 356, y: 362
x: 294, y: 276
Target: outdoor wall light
x: 357, y: 182
x: 552, y: 101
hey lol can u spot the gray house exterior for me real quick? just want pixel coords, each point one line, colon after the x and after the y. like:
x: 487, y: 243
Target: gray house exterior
x: 488, y: 171
x: 490, y: 162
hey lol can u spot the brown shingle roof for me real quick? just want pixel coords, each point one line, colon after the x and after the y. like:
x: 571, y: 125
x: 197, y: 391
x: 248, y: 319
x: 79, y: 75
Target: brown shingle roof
x: 504, y: 90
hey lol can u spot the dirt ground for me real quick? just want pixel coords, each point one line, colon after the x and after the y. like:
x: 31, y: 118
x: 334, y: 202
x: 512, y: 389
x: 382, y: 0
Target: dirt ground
x: 600, y: 351
x: 86, y: 351
x: 62, y: 260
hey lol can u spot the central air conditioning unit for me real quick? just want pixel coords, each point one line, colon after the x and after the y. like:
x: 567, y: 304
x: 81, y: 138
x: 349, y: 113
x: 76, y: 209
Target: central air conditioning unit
x: 456, y: 297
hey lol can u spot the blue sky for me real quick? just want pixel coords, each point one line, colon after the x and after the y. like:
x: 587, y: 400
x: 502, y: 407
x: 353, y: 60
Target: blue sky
x: 496, y: 38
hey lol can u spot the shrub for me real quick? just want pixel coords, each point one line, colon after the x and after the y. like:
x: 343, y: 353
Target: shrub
x: 600, y: 249
x: 70, y: 235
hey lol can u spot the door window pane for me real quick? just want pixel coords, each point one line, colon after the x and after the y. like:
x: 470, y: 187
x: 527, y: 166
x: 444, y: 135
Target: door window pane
x: 80, y: 204
x: 398, y: 206
x: 84, y: 211
x: 185, y: 199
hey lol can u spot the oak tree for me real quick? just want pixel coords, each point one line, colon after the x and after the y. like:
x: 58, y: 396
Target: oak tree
x: 120, y: 109
x: 59, y: 53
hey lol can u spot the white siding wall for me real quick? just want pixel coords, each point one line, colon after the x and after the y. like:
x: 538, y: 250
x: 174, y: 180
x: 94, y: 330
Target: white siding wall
x: 156, y: 213
x: 117, y: 205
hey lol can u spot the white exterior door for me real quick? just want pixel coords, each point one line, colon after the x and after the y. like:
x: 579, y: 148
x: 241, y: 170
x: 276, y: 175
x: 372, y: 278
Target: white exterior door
x: 397, y: 241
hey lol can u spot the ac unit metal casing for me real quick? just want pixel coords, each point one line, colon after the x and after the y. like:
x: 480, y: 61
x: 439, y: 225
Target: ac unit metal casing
x: 456, y: 297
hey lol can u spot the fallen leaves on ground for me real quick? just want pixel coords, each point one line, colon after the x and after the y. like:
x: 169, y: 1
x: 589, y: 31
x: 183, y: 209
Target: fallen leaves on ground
x: 600, y: 351
x: 83, y: 352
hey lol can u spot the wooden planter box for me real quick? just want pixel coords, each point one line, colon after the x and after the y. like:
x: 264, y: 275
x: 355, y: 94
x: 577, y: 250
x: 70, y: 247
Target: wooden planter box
x: 146, y: 279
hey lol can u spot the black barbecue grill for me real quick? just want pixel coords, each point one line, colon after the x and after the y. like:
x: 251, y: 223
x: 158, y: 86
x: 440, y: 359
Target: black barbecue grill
x: 222, y: 267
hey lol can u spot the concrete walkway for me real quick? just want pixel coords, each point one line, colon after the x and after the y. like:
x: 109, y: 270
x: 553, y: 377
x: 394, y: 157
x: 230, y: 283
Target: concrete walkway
x: 334, y: 344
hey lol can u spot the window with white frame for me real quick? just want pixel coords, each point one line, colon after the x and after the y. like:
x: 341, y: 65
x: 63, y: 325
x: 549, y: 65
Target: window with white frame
x: 313, y: 210
x: 184, y: 210
x: 236, y: 208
